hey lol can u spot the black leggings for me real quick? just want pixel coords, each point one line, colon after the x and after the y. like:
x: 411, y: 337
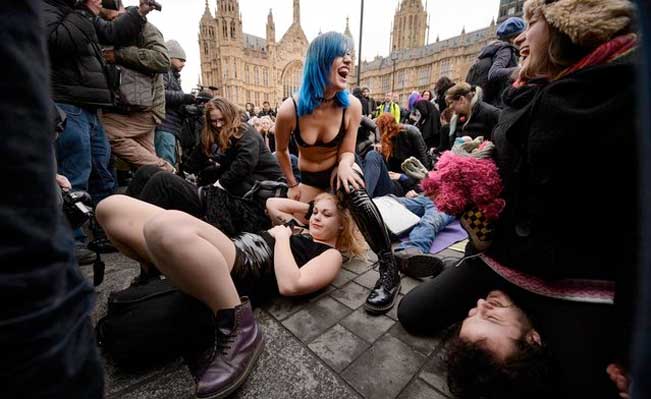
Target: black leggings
x: 230, y: 214
x: 166, y: 190
x: 581, y: 335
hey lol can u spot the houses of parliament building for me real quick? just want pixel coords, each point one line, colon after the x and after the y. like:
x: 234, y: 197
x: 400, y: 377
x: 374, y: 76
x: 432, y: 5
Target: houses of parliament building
x: 246, y: 68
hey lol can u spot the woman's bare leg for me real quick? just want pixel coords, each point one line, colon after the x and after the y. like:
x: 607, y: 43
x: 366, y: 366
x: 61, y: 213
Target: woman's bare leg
x: 195, y: 256
x: 123, y: 219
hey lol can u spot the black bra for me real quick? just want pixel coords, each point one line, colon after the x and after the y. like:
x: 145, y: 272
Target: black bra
x: 334, y: 143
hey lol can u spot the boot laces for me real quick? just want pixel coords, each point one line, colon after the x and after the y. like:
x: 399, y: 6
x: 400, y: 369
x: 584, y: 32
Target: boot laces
x: 224, y: 342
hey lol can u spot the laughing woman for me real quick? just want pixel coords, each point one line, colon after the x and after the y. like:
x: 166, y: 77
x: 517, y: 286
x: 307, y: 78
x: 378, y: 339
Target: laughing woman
x: 204, y: 263
x: 324, y: 119
x: 574, y: 97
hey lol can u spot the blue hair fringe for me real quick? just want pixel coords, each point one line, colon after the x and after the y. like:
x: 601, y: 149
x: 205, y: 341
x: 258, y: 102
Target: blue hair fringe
x: 316, y: 71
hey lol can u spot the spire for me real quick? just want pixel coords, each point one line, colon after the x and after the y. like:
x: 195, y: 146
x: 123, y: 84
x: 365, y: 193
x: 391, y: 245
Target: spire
x: 347, y: 31
x: 206, y: 12
x: 297, y: 12
x: 463, y: 30
x: 493, y: 21
x: 271, y: 28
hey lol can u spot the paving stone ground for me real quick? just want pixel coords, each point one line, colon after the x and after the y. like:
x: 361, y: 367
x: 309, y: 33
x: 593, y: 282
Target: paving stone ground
x: 324, y: 346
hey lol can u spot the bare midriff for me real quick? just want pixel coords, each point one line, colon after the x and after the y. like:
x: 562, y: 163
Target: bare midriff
x: 317, y: 159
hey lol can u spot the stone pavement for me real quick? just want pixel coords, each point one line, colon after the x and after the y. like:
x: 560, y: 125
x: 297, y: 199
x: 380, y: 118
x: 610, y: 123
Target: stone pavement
x: 325, y: 346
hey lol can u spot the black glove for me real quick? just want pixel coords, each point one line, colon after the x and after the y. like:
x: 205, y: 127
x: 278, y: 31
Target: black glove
x: 188, y: 99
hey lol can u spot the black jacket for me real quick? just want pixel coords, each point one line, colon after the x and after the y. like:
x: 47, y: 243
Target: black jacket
x: 175, y: 99
x: 246, y: 161
x: 567, y: 155
x: 482, y: 121
x: 409, y: 143
x: 492, y: 70
x: 429, y: 123
x: 78, y: 73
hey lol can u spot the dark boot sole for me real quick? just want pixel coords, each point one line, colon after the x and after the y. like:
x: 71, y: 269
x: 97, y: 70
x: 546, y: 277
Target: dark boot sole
x: 237, y: 383
x: 374, y: 310
x: 420, y: 266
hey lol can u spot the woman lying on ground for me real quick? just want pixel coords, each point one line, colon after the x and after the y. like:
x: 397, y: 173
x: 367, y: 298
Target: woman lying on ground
x: 324, y: 119
x: 575, y: 97
x: 382, y: 168
x: 206, y: 264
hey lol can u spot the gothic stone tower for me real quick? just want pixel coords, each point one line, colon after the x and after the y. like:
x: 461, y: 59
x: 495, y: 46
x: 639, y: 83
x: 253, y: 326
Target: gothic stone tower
x: 409, y: 25
x: 246, y: 68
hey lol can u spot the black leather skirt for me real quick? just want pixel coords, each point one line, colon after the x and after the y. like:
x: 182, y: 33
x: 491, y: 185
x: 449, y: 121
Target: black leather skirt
x: 253, y: 270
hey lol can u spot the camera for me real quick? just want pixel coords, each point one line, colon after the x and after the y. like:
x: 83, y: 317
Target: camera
x: 75, y: 207
x: 155, y: 5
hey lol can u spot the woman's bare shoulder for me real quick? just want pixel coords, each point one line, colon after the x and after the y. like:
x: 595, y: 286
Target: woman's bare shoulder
x: 287, y: 108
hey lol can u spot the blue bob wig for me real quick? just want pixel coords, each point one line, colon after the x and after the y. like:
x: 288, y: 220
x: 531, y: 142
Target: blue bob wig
x: 316, y: 72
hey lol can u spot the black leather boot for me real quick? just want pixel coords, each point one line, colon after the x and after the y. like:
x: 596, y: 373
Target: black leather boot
x: 370, y: 223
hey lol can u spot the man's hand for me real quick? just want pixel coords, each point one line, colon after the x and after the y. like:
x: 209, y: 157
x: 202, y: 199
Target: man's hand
x: 394, y: 175
x: 145, y: 8
x: 63, y: 182
x: 109, y: 55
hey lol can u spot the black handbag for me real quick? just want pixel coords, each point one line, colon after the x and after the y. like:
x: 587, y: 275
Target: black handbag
x: 151, y: 323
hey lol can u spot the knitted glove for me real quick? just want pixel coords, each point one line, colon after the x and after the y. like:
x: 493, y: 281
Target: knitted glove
x: 477, y: 148
x: 414, y: 168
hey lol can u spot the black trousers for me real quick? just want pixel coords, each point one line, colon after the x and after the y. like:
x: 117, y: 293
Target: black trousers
x: 166, y: 190
x: 230, y: 214
x: 581, y: 335
x: 46, y: 340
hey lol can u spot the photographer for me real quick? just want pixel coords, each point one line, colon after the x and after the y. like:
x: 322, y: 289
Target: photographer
x: 81, y: 85
x: 141, y: 96
x: 46, y: 338
x: 175, y: 99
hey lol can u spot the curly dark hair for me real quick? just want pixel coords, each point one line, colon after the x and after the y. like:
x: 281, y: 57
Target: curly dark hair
x: 474, y: 372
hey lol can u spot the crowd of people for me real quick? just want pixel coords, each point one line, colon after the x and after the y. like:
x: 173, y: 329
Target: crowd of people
x: 236, y: 205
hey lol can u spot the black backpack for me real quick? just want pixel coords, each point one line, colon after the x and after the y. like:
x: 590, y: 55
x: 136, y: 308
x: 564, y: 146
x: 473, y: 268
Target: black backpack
x: 478, y: 72
x: 153, y: 323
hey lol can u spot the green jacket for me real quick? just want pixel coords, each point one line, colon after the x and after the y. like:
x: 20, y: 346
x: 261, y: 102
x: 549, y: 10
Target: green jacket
x: 394, y: 109
x: 148, y: 55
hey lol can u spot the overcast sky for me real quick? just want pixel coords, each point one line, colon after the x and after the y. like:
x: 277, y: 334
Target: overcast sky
x: 180, y: 21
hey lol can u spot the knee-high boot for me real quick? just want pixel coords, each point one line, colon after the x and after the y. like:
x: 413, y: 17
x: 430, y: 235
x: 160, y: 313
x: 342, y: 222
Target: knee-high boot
x: 370, y: 223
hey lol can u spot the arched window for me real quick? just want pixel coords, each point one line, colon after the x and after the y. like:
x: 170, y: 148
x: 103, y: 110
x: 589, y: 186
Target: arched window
x: 291, y: 78
x: 232, y: 30
x: 225, y: 29
x: 235, y: 68
x: 256, y: 76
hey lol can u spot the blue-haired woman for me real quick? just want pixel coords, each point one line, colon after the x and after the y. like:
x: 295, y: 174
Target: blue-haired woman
x: 324, y: 117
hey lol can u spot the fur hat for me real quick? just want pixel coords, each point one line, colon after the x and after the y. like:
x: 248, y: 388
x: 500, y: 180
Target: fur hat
x: 175, y: 50
x: 588, y: 23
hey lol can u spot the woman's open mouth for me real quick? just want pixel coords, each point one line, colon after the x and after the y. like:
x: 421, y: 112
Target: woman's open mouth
x: 343, y: 72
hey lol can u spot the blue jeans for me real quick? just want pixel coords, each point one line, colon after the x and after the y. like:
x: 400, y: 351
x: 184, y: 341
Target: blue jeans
x: 376, y: 175
x: 431, y: 222
x: 165, y: 143
x: 83, y: 153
